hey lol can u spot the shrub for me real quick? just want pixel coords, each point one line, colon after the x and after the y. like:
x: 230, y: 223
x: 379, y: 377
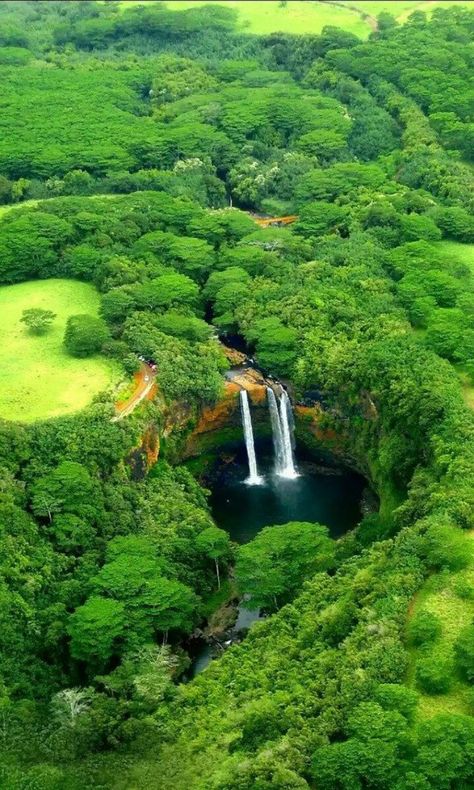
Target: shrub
x: 463, y: 587
x: 446, y: 546
x: 433, y: 674
x: 85, y: 335
x: 464, y: 652
x: 423, y: 628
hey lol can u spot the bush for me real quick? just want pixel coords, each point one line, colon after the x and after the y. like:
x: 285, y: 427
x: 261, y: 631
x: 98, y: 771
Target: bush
x: 131, y: 363
x: 372, y: 527
x: 433, y: 675
x: 85, y: 335
x: 463, y: 587
x: 423, y: 628
x: 446, y: 546
x: 464, y: 652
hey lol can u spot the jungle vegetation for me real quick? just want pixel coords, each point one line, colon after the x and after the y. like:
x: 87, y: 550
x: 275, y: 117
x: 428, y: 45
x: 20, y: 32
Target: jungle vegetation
x: 125, y: 134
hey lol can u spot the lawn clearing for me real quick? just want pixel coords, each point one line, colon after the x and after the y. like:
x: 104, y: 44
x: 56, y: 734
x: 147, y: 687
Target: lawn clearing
x: 401, y: 9
x: 439, y: 596
x: 459, y: 251
x: 269, y: 16
x: 38, y: 379
x: 297, y: 16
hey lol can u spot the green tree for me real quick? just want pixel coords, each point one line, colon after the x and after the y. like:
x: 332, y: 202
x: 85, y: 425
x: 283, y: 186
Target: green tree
x: 423, y: 628
x: 167, y: 290
x: 444, y: 754
x: 275, y: 344
x: 37, y: 319
x: 96, y: 629
x: 434, y: 674
x: 85, y: 335
x: 69, y: 488
x: 272, y: 567
x: 464, y: 652
x: 446, y: 546
x: 319, y: 218
x: 215, y: 543
x: 324, y: 144
x: 153, y: 603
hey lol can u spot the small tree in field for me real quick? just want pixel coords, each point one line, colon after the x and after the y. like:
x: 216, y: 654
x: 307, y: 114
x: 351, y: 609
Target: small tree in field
x: 37, y: 320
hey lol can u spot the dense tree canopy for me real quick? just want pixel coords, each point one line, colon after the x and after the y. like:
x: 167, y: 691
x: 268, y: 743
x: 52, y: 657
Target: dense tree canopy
x: 137, y: 145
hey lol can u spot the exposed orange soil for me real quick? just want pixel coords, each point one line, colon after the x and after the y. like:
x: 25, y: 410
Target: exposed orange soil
x: 266, y: 222
x: 145, y: 388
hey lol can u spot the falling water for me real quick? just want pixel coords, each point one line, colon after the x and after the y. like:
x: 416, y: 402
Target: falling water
x: 287, y: 430
x: 276, y: 432
x: 254, y: 478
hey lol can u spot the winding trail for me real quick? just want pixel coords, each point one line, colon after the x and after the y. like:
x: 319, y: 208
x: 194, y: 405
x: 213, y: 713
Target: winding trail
x: 266, y: 222
x: 366, y: 17
x: 145, y: 387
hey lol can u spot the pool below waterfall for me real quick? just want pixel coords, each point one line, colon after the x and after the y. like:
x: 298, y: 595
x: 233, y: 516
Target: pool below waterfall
x: 330, y: 495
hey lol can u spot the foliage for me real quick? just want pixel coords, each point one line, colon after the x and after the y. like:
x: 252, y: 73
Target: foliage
x: 85, y: 335
x: 433, y: 674
x: 272, y: 568
x: 37, y: 319
x: 464, y: 652
x: 423, y: 628
x: 39, y: 378
x: 126, y: 133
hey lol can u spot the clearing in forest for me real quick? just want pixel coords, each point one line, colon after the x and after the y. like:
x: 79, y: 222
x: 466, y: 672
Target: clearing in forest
x: 296, y: 16
x: 38, y: 378
x: 446, y: 595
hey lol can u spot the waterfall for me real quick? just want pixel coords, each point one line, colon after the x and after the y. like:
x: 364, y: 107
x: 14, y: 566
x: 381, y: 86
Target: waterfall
x: 254, y: 478
x: 287, y: 429
x: 277, y: 432
x: 283, y: 434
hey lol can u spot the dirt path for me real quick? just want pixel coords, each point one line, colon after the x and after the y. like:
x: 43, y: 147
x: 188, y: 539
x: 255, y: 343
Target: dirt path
x: 266, y: 222
x: 368, y: 18
x: 145, y: 384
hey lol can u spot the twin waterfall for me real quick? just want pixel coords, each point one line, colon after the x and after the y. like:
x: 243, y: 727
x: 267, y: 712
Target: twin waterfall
x: 254, y: 478
x: 283, y: 434
x: 281, y: 416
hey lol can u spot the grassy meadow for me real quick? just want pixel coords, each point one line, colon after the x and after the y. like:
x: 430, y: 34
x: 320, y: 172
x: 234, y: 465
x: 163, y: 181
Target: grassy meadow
x: 440, y: 596
x: 38, y: 379
x: 462, y: 252
x: 310, y: 16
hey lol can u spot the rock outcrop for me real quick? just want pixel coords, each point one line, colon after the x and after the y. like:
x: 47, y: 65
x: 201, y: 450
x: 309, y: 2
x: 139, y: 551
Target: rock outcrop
x: 221, y: 423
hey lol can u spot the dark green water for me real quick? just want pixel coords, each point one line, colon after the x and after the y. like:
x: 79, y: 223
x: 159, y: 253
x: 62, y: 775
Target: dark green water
x: 330, y: 496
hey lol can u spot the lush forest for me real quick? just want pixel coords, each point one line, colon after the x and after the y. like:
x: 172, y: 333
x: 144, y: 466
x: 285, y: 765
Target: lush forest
x: 137, y: 146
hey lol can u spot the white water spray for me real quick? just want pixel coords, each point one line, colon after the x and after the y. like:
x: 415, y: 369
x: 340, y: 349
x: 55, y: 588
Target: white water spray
x: 277, y: 433
x: 283, y: 434
x: 254, y: 478
x: 287, y: 428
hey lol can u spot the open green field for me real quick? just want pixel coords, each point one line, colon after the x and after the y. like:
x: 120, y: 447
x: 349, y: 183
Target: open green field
x: 309, y: 16
x: 38, y: 379
x: 439, y: 596
x: 296, y: 17
x: 401, y: 9
x: 461, y: 252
